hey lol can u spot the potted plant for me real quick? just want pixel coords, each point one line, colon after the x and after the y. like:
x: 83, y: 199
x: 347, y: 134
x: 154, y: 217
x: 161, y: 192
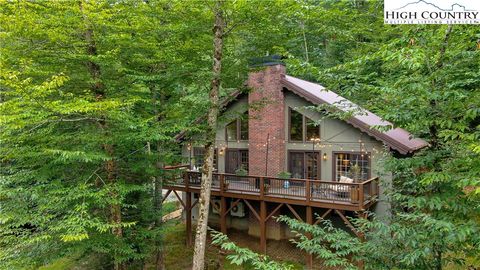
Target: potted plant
x: 266, y: 187
x: 241, y: 171
x: 285, y: 176
x: 355, y: 171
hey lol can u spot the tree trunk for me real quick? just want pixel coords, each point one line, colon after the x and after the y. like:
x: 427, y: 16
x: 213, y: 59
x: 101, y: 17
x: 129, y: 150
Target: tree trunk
x: 157, y: 206
x: 158, y: 185
x: 302, y: 25
x: 438, y: 257
x: 98, y: 90
x: 204, y: 200
x: 158, y: 196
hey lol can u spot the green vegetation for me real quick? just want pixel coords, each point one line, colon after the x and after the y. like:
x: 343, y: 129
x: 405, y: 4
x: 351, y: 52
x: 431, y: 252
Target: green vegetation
x: 77, y: 262
x: 94, y: 92
x: 244, y: 256
x: 61, y: 264
x: 284, y: 175
x: 169, y: 207
x: 241, y: 171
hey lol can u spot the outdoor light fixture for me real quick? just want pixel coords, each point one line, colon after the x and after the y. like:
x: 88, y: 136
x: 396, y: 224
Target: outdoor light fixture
x: 325, y: 156
x: 221, y: 152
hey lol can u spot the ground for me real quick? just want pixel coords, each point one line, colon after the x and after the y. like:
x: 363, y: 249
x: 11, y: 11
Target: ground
x: 179, y: 257
x: 215, y: 258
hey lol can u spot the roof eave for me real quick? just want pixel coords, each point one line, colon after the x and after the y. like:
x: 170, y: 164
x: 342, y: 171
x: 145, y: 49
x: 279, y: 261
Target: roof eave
x: 401, y: 148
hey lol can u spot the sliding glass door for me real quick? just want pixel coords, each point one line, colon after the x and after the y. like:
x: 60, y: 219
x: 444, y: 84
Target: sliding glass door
x: 236, y: 159
x: 304, y: 164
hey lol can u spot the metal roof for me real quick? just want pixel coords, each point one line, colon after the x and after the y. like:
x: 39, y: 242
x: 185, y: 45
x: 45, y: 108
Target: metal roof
x: 396, y: 138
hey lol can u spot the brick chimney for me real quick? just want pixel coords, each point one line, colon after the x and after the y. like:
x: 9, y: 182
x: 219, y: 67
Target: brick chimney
x: 266, y: 119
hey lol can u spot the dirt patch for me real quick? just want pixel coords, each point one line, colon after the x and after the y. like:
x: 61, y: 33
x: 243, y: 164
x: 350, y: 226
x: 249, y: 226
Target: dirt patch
x: 172, y: 215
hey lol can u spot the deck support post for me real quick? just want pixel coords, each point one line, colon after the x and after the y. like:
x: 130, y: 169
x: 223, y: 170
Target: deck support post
x: 223, y: 215
x: 363, y: 215
x: 348, y: 223
x: 188, y: 218
x: 263, y: 227
x: 166, y: 195
x: 361, y: 196
x: 309, y: 220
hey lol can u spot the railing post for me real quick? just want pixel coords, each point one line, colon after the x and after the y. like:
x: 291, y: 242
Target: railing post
x: 361, y: 195
x: 354, y: 193
x: 186, y: 180
x: 308, y: 191
x: 370, y: 189
x: 222, y: 183
x: 262, y: 187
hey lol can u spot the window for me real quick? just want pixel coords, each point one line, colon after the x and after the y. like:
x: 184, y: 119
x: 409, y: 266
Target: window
x: 312, y: 130
x: 235, y: 159
x: 296, y: 126
x: 238, y: 129
x: 244, y: 127
x: 312, y: 165
x: 199, y: 154
x: 232, y: 131
x: 302, y: 128
x: 244, y: 159
x: 297, y: 165
x: 304, y: 165
x: 352, y: 165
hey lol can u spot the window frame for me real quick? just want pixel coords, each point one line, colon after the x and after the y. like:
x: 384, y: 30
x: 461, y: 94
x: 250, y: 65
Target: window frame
x: 305, y: 152
x: 304, y: 127
x: 334, y: 163
x: 215, y: 157
x: 238, y: 152
x: 238, y: 124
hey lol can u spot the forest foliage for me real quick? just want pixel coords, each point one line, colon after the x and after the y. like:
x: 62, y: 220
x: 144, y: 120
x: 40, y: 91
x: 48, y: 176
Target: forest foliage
x: 93, y: 93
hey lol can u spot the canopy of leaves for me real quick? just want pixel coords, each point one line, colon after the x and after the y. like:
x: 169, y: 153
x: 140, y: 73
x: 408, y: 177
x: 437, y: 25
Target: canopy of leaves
x: 153, y: 60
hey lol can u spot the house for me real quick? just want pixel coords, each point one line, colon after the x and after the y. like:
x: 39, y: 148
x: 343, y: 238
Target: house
x: 276, y: 155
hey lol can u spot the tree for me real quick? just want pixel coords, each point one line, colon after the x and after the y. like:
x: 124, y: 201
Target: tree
x: 204, y: 200
x: 77, y: 113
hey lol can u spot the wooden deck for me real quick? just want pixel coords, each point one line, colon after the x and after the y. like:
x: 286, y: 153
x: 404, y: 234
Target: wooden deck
x: 315, y: 195
x: 306, y: 192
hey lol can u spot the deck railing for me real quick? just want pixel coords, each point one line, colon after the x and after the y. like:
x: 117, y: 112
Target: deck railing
x: 299, y: 189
